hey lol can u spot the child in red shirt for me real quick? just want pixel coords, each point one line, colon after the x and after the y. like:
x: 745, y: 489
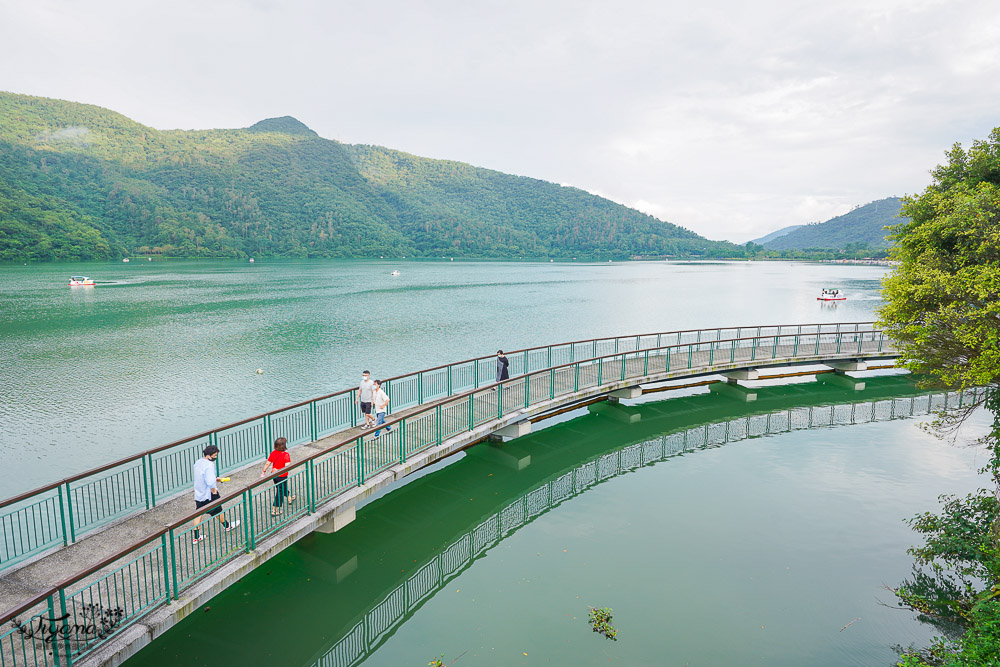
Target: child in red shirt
x: 278, y: 459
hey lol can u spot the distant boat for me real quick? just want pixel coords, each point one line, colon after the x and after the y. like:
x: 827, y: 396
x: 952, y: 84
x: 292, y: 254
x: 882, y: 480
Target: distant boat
x: 125, y: 260
x: 394, y: 273
x: 251, y: 260
x: 831, y: 295
x: 81, y: 281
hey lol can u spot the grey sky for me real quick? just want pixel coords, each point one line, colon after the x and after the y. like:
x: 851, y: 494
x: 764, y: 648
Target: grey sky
x: 730, y: 118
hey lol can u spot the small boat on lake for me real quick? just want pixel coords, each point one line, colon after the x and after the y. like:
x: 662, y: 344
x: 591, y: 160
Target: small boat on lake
x: 80, y: 281
x: 394, y: 273
x: 831, y: 295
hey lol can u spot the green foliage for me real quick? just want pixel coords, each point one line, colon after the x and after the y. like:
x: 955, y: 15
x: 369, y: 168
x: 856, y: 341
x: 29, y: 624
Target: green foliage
x: 279, y: 189
x: 862, y: 228
x: 942, y: 305
x: 600, y: 621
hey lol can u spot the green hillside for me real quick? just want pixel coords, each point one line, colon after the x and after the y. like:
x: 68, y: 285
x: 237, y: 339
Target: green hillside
x: 864, y: 227
x: 78, y: 181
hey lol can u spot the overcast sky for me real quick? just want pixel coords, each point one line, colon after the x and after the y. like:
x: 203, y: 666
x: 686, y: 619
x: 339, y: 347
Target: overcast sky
x: 730, y: 118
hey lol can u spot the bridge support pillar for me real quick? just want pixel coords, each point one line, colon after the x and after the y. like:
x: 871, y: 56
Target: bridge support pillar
x: 734, y: 391
x: 616, y: 411
x: 508, y: 454
x: 515, y: 430
x: 340, y: 519
x: 628, y: 392
x: 841, y: 367
x: 842, y: 381
x: 733, y: 377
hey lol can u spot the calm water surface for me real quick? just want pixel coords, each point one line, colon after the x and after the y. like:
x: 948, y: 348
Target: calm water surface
x: 757, y: 552
x: 161, y: 350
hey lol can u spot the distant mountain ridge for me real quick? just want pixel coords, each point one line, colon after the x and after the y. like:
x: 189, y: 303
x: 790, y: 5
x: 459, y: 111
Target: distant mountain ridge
x: 862, y: 227
x: 773, y: 235
x: 78, y: 181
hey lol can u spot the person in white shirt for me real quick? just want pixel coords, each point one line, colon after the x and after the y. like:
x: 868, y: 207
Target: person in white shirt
x: 381, y: 401
x: 206, y: 490
x: 364, y: 398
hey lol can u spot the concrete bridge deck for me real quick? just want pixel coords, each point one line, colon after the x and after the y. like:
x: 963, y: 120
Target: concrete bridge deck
x: 145, y: 572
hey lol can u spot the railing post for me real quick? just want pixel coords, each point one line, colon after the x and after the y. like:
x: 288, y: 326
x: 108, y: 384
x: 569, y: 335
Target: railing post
x: 437, y: 412
x: 552, y: 383
x: 145, y: 482
x: 774, y: 349
x: 795, y: 346
x: 402, y: 441
x: 549, y: 356
x: 475, y: 374
x: 880, y: 337
x: 251, y: 533
x: 62, y: 516
x: 388, y: 392
x: 711, y: 353
x: 472, y: 419
x: 55, y: 632
x: 312, y: 421
x: 361, y: 466
x: 624, y: 357
x: 500, y: 388
x: 311, y: 485
x: 860, y: 340
x: 355, y: 409
x: 839, y: 339
x: 816, y: 351
x: 166, y: 566
x: 600, y: 372
x: 527, y: 391
x: 645, y: 365
x: 173, y: 561
x: 690, y: 354
x: 267, y: 430
x: 732, y: 351
x: 666, y: 367
x: 753, y: 348
x: 69, y: 506
x: 420, y: 388
x: 449, y: 380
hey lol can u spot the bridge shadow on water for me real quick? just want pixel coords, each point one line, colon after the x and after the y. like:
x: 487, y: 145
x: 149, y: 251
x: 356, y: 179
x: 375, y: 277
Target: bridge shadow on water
x: 332, y: 600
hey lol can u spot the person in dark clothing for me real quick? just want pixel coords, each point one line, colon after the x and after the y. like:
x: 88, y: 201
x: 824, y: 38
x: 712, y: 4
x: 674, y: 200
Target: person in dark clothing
x: 502, y: 364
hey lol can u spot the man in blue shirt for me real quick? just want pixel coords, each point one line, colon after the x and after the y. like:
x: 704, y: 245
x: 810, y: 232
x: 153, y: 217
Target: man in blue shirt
x: 206, y: 490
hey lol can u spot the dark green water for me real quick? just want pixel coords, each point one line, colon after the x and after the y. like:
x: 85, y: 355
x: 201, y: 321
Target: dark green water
x: 756, y: 552
x: 162, y: 350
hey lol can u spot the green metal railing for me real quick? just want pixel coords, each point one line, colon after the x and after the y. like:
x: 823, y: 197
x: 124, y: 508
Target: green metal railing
x: 157, y: 568
x: 61, y: 512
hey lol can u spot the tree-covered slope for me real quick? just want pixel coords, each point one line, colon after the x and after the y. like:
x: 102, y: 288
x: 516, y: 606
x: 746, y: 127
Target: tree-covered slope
x: 862, y: 227
x: 79, y: 181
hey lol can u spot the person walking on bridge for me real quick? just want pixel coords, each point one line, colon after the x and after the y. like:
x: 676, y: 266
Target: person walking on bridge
x: 278, y: 459
x: 502, y: 364
x: 206, y: 490
x: 381, y: 400
x: 364, y: 398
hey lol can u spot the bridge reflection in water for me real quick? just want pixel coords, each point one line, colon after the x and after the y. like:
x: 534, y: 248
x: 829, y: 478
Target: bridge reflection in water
x: 361, y: 640
x: 365, y: 581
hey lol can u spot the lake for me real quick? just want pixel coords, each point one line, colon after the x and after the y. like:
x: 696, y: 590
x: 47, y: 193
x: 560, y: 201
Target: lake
x: 161, y: 350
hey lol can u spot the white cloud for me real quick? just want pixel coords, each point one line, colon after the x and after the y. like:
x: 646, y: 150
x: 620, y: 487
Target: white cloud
x: 732, y: 119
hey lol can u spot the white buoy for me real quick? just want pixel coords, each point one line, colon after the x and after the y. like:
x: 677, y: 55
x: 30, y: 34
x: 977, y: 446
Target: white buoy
x: 260, y: 371
x: 149, y: 259
x: 125, y: 260
x: 251, y: 260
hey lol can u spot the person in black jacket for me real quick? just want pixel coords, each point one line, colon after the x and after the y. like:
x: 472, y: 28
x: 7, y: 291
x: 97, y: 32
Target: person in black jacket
x: 502, y: 363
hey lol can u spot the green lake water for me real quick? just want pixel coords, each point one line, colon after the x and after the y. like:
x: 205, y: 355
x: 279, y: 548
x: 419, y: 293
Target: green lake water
x: 161, y: 350
x: 758, y: 552
x: 755, y: 552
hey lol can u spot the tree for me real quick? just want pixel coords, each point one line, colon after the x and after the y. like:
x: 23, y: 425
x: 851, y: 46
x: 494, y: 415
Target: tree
x: 942, y: 303
x: 942, y: 307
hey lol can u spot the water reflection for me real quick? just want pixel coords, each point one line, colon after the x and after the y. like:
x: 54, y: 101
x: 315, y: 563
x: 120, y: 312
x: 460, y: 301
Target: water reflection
x: 377, y: 624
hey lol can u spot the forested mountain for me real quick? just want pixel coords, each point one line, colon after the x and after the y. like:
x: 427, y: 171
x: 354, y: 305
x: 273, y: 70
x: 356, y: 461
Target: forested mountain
x: 78, y: 181
x: 773, y: 235
x: 864, y: 227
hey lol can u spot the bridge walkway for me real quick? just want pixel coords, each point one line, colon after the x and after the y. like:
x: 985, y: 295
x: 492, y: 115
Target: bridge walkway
x: 136, y: 565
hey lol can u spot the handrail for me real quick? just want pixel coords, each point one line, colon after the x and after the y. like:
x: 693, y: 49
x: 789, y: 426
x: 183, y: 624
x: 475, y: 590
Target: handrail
x: 304, y: 477
x: 191, y: 438
x: 40, y: 521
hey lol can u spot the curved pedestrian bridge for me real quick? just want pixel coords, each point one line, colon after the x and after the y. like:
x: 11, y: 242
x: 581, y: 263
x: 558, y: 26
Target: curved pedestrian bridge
x: 111, y: 547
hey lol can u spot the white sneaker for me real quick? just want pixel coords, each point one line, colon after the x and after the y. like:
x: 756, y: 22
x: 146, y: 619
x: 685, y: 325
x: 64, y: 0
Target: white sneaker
x: 197, y: 539
x: 233, y: 526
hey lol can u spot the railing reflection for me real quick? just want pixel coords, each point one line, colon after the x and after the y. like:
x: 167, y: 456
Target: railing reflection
x: 402, y: 602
